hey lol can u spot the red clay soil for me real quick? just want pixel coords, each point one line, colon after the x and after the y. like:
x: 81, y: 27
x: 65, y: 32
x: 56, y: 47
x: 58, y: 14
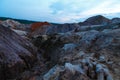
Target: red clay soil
x: 36, y: 25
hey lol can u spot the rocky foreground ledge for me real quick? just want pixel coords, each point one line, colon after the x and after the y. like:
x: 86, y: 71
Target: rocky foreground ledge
x: 88, y: 55
x: 16, y: 54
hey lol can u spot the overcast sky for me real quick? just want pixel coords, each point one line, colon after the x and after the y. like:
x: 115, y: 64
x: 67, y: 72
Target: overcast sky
x: 59, y: 11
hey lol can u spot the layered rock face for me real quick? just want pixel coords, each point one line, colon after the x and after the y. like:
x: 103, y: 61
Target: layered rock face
x: 16, y: 54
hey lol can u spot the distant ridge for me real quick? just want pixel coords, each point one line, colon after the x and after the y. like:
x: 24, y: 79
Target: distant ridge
x: 19, y: 20
x: 96, y: 20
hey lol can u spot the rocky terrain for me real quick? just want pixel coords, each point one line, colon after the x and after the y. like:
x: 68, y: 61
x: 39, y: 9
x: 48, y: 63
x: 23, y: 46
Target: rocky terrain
x: 88, y: 50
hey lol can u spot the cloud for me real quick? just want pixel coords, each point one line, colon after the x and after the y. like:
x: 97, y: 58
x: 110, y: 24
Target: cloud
x: 60, y: 11
x: 106, y: 7
x: 85, y: 9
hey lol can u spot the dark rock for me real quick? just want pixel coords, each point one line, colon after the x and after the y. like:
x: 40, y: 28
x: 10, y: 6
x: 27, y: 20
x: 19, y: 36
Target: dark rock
x: 49, y: 45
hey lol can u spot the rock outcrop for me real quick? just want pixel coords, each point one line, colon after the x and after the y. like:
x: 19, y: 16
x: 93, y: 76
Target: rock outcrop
x: 21, y: 29
x: 15, y: 25
x: 37, y: 25
x: 16, y: 54
x: 82, y: 66
x: 39, y: 31
x: 101, y: 50
x: 10, y: 23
